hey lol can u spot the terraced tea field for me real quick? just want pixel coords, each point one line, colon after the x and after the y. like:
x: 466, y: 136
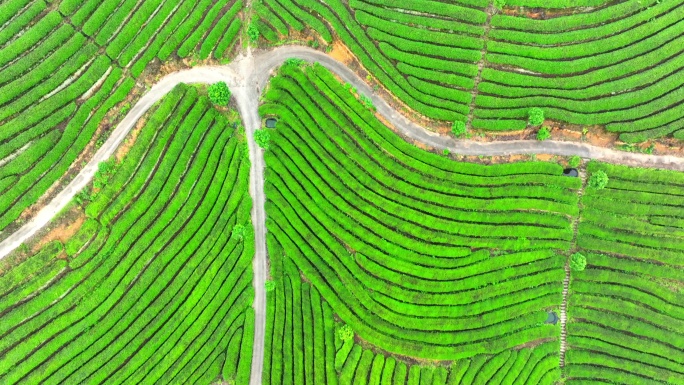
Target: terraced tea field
x: 614, y: 64
x: 626, y: 307
x: 155, y: 286
x: 64, y: 65
x: 153, y: 229
x: 455, y: 263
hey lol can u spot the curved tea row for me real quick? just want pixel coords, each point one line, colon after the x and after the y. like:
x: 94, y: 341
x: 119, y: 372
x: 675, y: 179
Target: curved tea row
x: 423, y: 256
x: 156, y: 285
x: 616, y: 65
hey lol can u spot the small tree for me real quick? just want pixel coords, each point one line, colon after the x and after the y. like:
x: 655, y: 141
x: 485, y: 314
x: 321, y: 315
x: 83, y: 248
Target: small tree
x: 219, y: 93
x: 446, y: 152
x: 543, y: 134
x: 574, y: 161
x: 458, y: 128
x: 536, y: 117
x: 345, y: 332
x: 578, y: 262
x: 598, y: 180
x: 253, y: 32
x: 499, y: 4
x: 270, y: 285
x: 239, y: 231
x: 262, y: 137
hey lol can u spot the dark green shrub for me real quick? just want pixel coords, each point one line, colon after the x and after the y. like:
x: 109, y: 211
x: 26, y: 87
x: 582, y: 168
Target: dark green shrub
x: 543, y: 134
x: 578, y: 262
x: 219, y: 93
x: 598, y: 180
x: 458, y: 128
x: 345, y: 332
x: 536, y: 116
x: 262, y: 137
x: 239, y: 231
x: 574, y: 161
x: 253, y: 32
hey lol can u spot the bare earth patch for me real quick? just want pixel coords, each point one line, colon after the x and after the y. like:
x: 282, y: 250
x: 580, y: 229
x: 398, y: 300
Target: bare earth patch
x: 63, y: 230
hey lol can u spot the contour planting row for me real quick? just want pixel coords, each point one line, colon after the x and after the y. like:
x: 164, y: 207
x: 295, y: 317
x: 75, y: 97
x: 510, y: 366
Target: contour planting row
x: 63, y: 68
x: 625, y: 310
x: 304, y: 346
x: 516, y: 367
x: 616, y: 66
x: 299, y: 345
x: 357, y: 208
x: 156, y: 285
x: 428, y: 61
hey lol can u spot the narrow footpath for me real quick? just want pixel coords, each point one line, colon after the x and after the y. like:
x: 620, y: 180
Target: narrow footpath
x: 491, y: 10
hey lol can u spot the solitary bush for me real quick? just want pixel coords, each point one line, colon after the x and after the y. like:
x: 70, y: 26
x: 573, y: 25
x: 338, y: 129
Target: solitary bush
x: 578, y: 262
x: 536, y: 116
x: 458, y: 128
x: 345, y: 332
x: 270, y: 285
x: 574, y: 161
x: 239, y: 231
x: 543, y: 133
x: 219, y: 93
x: 499, y: 4
x: 598, y: 180
x: 253, y: 32
x: 262, y: 137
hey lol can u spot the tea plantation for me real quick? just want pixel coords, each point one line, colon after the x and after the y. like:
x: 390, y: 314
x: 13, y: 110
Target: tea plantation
x: 608, y: 63
x: 456, y: 263
x: 292, y: 222
x: 156, y: 285
x: 65, y: 64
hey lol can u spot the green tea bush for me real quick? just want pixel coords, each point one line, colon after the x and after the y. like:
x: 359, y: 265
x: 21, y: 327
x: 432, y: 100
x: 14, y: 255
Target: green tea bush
x: 458, y: 128
x: 535, y: 116
x: 543, y: 133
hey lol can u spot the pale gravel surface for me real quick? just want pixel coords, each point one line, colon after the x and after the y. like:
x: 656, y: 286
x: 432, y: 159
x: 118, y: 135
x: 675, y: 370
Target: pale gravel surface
x: 248, y: 76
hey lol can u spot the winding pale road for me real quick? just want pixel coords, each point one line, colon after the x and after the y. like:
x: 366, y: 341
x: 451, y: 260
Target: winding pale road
x: 247, y: 76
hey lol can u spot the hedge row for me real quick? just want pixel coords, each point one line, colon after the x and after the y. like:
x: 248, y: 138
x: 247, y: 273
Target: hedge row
x: 58, y: 66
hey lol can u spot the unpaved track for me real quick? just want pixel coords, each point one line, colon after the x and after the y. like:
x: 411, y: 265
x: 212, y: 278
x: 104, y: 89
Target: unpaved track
x: 248, y: 76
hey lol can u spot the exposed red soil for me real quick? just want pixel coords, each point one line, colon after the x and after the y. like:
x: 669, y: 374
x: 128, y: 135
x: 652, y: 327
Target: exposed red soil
x: 62, y: 231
